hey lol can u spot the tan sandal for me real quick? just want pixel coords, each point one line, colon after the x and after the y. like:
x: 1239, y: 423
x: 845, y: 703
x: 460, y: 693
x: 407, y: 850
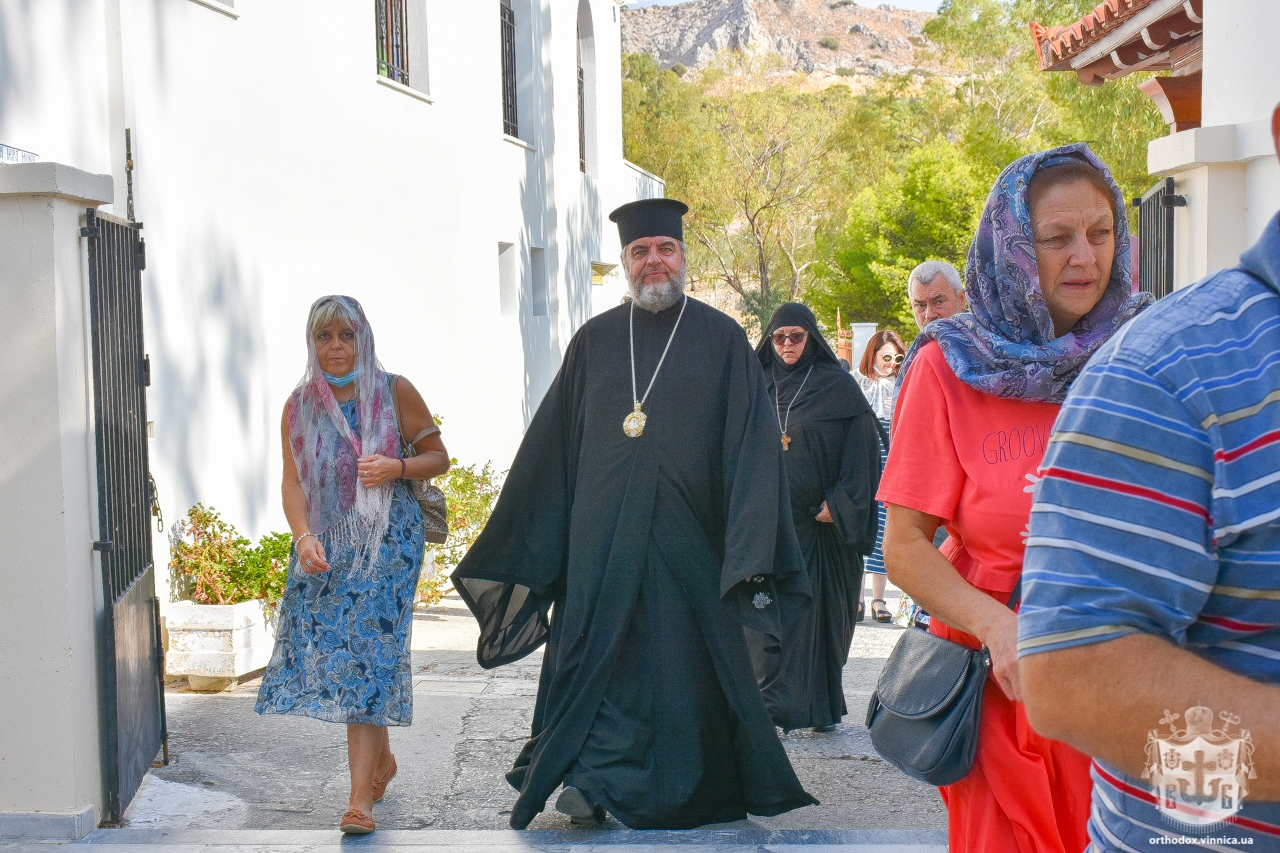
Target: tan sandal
x: 356, y: 822
x: 380, y: 785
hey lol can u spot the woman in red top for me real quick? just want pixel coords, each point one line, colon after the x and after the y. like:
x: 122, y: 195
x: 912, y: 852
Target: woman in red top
x: 979, y: 394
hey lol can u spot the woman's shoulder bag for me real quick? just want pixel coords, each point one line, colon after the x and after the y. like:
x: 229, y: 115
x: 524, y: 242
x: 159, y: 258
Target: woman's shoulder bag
x: 435, y: 511
x: 923, y: 716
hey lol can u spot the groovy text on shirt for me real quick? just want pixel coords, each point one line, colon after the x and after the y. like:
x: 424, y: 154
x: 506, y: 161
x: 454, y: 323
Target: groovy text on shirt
x: 1014, y: 444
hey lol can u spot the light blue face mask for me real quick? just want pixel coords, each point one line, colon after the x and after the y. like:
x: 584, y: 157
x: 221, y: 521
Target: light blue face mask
x: 343, y: 381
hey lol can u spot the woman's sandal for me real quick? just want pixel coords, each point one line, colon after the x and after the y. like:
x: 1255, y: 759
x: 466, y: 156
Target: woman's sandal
x: 881, y: 614
x: 356, y: 822
x: 380, y: 785
x: 862, y: 612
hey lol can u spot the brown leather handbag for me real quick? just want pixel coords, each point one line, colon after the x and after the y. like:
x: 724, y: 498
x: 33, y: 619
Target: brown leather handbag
x: 435, y: 510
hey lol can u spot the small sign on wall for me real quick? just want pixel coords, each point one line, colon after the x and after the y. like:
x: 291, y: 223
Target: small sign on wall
x: 10, y: 155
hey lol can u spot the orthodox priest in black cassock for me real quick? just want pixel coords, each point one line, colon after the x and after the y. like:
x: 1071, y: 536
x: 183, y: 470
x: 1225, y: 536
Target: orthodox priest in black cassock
x: 638, y: 560
x: 833, y: 463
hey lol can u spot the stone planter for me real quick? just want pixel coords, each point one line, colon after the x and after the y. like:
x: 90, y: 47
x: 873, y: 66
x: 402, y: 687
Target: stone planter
x: 215, y: 645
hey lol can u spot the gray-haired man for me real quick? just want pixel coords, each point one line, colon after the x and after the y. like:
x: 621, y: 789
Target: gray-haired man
x: 935, y: 291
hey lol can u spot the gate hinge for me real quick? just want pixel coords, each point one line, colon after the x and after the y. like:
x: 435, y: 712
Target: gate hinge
x: 103, y: 545
x: 146, y: 371
x: 91, y: 231
x: 142, y: 254
x: 1174, y: 200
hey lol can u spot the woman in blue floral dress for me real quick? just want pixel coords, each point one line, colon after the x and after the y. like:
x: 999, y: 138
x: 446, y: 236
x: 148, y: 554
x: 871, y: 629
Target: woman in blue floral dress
x: 342, y: 643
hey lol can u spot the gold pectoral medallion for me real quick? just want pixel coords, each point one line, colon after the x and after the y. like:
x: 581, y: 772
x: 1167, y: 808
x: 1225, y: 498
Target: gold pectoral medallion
x: 633, y: 424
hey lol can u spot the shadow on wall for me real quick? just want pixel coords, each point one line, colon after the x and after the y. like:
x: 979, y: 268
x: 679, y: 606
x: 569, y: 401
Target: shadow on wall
x: 584, y: 240
x: 539, y: 296
x: 207, y: 345
x: 32, y: 33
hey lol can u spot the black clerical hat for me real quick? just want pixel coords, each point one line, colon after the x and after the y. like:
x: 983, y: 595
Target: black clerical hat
x: 650, y: 217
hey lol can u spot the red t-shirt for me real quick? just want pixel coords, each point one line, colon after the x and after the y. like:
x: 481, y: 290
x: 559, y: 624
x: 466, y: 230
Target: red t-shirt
x: 971, y: 459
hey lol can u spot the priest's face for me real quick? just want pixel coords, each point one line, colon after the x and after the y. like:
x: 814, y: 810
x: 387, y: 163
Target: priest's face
x: 655, y: 271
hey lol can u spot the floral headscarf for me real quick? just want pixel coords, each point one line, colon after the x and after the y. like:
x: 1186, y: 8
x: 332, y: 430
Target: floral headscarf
x: 325, y: 450
x: 1005, y: 345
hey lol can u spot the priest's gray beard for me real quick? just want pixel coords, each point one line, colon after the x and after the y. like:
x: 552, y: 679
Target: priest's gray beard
x: 657, y: 297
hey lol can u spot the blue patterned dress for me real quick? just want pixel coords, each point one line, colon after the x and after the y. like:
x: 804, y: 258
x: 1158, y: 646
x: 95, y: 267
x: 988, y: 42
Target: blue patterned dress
x: 342, y: 642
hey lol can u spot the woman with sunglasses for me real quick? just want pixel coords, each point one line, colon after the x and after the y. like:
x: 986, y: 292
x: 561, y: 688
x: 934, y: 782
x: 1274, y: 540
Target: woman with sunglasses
x: 828, y: 435
x: 877, y: 375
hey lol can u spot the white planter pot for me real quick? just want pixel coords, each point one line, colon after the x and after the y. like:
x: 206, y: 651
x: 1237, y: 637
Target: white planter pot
x: 215, y: 645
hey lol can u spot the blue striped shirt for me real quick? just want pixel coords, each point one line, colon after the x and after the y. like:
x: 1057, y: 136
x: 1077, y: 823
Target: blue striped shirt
x: 1159, y: 511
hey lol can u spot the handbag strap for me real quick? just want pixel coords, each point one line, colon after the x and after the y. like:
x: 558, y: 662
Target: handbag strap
x: 1016, y: 595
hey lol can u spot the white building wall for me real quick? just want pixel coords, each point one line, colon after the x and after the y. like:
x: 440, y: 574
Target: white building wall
x: 1227, y: 168
x: 272, y: 166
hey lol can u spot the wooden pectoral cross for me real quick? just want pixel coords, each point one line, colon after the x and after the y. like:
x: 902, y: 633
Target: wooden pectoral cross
x: 786, y: 442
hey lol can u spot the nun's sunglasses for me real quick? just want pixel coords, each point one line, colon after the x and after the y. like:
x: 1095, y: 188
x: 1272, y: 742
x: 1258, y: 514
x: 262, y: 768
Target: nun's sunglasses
x: 894, y: 359
x: 795, y: 338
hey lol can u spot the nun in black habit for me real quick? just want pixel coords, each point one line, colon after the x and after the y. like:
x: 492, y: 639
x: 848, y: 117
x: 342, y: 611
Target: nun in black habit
x: 832, y: 459
x: 638, y: 559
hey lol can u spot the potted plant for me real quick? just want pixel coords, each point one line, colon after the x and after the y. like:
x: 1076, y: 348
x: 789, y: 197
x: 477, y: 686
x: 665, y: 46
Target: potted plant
x: 225, y: 590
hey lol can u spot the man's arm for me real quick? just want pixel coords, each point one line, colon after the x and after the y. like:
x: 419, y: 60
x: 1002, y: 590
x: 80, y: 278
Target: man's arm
x: 1104, y: 698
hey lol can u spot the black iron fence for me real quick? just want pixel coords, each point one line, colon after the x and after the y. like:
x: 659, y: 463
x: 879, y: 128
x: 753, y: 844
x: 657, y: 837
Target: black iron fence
x: 393, y: 45
x: 510, y: 122
x: 131, y: 663
x: 1155, y: 238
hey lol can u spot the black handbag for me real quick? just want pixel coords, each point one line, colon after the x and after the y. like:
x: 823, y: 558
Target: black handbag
x: 923, y: 716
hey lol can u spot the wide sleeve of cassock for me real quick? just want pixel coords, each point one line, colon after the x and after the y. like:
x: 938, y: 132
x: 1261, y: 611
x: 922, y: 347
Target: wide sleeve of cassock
x: 515, y: 570
x: 763, y: 579
x: 852, y: 500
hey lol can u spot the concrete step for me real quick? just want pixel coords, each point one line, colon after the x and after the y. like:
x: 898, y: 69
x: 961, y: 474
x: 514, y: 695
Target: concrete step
x: 485, y: 841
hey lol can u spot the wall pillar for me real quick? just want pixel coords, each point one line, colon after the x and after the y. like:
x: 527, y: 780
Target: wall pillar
x: 50, y: 764
x: 1211, y: 168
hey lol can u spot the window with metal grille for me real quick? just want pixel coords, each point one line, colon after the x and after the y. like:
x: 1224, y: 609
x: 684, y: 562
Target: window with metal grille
x: 393, y: 43
x: 510, y: 122
x: 582, y: 111
x: 1155, y: 238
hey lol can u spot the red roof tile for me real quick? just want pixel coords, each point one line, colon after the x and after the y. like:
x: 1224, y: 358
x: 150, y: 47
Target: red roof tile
x: 1058, y: 48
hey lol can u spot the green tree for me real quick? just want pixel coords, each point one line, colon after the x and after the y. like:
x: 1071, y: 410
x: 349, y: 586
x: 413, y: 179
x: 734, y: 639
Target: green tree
x: 927, y: 212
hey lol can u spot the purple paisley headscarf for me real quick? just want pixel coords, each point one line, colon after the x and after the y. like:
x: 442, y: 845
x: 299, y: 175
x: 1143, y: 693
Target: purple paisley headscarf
x: 1004, y: 344
x: 325, y: 449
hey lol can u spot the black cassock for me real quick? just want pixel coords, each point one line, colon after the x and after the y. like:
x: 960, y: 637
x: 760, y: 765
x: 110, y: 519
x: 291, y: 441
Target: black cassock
x: 834, y: 456
x: 655, y: 552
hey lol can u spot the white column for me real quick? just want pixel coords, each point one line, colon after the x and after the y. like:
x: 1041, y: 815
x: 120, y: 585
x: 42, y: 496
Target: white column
x: 50, y: 768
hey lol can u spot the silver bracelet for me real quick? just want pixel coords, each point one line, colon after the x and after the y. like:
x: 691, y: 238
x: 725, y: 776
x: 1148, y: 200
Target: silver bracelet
x: 298, y: 541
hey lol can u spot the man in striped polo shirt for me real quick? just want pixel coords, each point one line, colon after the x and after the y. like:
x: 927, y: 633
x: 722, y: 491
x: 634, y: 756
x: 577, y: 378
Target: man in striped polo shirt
x: 1151, y: 583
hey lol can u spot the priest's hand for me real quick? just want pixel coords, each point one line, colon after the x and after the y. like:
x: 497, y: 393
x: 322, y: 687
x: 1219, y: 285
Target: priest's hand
x: 376, y: 470
x: 824, y: 514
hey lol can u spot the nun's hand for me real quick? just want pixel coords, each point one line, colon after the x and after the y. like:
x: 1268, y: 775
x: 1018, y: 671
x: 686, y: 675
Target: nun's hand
x: 824, y: 514
x: 376, y: 470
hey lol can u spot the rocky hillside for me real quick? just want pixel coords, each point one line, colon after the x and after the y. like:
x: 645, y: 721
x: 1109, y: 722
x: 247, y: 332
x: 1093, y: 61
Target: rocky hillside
x: 815, y: 37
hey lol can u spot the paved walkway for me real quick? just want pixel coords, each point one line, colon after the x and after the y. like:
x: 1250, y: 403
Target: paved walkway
x: 238, y: 781
x: 726, y: 840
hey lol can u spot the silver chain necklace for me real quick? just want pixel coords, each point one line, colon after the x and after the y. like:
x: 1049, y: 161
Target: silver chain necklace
x: 777, y: 409
x: 633, y: 424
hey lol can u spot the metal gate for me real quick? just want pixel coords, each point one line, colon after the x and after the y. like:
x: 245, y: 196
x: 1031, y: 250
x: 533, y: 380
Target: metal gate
x: 131, y: 666
x: 1155, y: 238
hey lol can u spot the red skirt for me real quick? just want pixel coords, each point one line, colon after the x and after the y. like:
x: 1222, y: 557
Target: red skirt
x: 1026, y: 793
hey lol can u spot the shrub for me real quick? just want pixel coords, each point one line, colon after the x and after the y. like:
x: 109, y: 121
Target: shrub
x: 679, y: 69
x: 211, y: 563
x: 845, y: 72
x: 471, y: 492
x: 830, y: 42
